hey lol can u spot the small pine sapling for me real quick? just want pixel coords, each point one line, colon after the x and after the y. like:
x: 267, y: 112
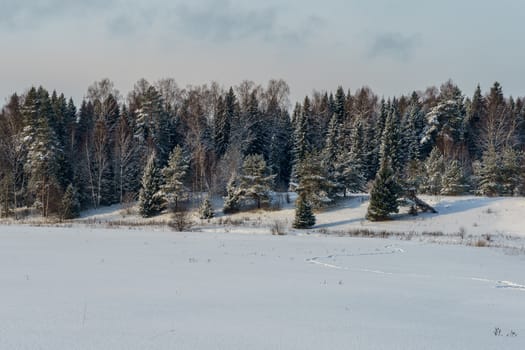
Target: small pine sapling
x: 206, y: 210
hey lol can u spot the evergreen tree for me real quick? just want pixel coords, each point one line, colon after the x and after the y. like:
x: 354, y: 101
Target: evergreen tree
x: 257, y: 140
x: 349, y: 173
x: 232, y: 199
x: 332, y: 156
x: 281, y: 156
x: 255, y: 181
x: 413, y: 128
x: 434, y: 168
x: 512, y: 172
x: 476, y: 113
x: 226, y: 115
x: 314, y: 183
x: 43, y: 150
x: 206, y: 210
x: 445, y: 124
x: 488, y: 174
x: 391, y: 139
x: 304, y: 216
x: 384, y: 194
x: 70, y: 206
x: 221, y: 128
x: 453, y: 181
x: 174, y: 175
x: 151, y: 198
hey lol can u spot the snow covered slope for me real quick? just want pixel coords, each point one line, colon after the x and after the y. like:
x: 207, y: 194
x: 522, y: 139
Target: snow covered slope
x: 468, y: 214
x: 81, y: 288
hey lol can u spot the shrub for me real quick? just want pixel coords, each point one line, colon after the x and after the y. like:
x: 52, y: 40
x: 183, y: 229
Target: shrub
x: 278, y: 228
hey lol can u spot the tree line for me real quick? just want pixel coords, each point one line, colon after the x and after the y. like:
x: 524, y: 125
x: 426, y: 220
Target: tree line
x: 242, y: 142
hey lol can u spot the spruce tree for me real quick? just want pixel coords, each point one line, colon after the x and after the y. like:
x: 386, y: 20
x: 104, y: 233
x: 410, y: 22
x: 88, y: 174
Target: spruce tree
x: 206, y: 210
x: 304, y: 216
x: 70, y: 206
x: 488, y: 174
x: 384, y: 194
x: 434, y: 167
x: 151, y: 198
x: 174, y: 175
x: 232, y: 199
x: 453, y: 181
x: 313, y: 181
x: 332, y: 156
x: 512, y: 172
x: 43, y: 150
x: 257, y: 139
x: 476, y: 113
x: 255, y: 181
x: 281, y: 156
x: 221, y: 128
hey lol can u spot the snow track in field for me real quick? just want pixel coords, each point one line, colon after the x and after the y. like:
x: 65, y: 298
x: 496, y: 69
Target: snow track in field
x: 502, y: 284
x: 318, y: 260
x: 390, y: 250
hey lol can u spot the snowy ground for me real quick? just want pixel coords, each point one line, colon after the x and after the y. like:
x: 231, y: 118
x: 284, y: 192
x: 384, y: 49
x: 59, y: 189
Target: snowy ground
x: 232, y: 285
x: 95, y: 288
x: 471, y: 215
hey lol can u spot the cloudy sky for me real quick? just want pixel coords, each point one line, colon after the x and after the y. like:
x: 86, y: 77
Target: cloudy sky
x: 393, y: 46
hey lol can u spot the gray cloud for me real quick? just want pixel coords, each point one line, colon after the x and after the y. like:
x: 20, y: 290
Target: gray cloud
x: 16, y: 14
x: 221, y: 21
x: 394, y: 45
x: 206, y: 20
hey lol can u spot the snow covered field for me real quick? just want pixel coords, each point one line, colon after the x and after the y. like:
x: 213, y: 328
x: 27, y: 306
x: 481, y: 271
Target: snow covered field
x: 96, y: 288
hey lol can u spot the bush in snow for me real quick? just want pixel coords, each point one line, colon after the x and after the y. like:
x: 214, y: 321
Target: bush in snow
x: 278, y: 228
x: 181, y: 220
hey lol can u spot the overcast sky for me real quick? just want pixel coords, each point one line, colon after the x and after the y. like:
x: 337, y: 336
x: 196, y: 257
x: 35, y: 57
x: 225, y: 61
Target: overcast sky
x: 393, y: 46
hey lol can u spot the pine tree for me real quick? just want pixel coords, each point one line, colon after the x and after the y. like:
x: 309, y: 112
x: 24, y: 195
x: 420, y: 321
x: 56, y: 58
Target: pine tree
x: 391, y: 139
x: 232, y: 199
x: 332, y: 156
x: 221, y: 129
x: 445, y: 124
x: 384, y: 194
x: 453, y: 181
x: 434, y: 167
x: 281, y: 156
x: 205, y: 209
x: 488, y: 173
x: 304, y: 216
x: 413, y: 128
x: 512, y: 172
x: 43, y: 150
x: 257, y: 141
x: 174, y: 178
x: 255, y: 181
x: 302, y: 138
x: 151, y: 198
x: 476, y: 113
x: 70, y: 206
x: 313, y: 181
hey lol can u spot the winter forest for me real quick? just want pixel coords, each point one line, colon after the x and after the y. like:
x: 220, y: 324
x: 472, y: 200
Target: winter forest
x: 166, y: 146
